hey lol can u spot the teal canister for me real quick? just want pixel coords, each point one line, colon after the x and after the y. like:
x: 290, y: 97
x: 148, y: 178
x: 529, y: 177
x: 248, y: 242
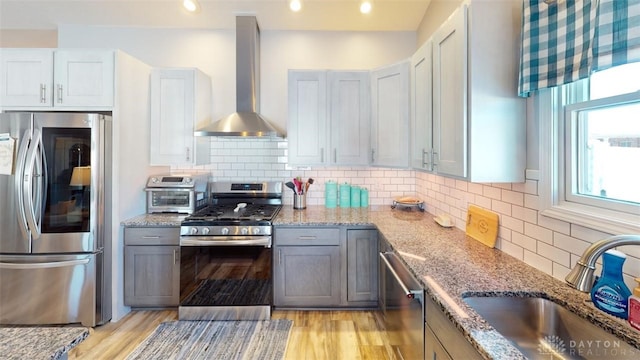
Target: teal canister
x: 364, y: 197
x: 345, y: 195
x: 355, y: 196
x: 330, y: 194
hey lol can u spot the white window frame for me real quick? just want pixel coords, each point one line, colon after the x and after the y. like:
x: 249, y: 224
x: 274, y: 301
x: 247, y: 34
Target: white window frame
x: 554, y: 151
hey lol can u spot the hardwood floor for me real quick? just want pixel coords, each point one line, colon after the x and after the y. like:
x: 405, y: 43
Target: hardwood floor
x: 315, y: 335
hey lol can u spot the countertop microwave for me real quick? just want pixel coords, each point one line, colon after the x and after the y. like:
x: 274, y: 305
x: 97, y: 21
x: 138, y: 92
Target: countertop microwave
x: 176, y: 193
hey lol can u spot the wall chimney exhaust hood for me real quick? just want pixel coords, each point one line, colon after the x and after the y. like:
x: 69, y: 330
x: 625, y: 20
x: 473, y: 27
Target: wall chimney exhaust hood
x: 246, y: 121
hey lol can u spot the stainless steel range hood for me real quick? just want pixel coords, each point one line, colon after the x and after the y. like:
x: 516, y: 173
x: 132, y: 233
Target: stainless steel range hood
x: 246, y: 121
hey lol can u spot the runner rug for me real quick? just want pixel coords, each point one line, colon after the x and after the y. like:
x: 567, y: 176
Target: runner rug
x: 216, y: 340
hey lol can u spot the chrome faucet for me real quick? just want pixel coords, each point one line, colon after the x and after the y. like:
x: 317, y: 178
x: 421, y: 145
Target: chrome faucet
x: 581, y: 276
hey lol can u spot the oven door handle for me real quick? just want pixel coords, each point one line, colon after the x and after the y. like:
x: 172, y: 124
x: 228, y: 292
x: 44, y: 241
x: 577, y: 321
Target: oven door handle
x: 225, y: 241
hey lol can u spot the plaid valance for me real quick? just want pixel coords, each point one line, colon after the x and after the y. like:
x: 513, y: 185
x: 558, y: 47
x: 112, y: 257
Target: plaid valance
x: 566, y: 40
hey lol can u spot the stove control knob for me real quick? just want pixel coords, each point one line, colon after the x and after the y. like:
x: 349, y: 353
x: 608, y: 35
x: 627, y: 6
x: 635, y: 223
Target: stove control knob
x: 205, y: 231
x: 193, y: 230
x: 224, y: 231
x: 244, y: 231
x: 256, y: 231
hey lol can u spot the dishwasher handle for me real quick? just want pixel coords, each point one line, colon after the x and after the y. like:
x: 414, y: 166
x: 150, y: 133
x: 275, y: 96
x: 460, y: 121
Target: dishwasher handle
x: 410, y: 294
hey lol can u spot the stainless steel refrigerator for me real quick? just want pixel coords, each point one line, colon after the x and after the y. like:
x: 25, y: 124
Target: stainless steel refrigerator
x: 55, y: 240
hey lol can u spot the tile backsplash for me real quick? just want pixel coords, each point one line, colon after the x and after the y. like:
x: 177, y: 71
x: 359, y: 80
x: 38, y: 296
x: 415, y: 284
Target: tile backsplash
x: 550, y: 245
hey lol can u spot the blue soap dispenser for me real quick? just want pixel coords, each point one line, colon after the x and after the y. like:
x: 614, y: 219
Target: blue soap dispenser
x: 609, y: 293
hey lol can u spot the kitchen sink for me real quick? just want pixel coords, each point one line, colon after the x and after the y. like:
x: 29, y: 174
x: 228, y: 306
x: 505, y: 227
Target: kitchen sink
x: 542, y: 329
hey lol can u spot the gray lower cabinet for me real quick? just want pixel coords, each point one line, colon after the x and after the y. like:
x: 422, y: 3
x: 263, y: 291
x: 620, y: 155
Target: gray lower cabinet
x: 315, y: 267
x: 449, y: 343
x: 362, y: 266
x: 152, y: 266
x: 307, y: 276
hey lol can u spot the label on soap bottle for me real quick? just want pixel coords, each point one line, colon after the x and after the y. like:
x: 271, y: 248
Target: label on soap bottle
x: 634, y: 313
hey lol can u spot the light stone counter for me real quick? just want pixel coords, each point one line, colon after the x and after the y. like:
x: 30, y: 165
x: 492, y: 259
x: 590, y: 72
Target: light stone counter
x: 452, y: 266
x: 154, y: 220
x: 39, y: 342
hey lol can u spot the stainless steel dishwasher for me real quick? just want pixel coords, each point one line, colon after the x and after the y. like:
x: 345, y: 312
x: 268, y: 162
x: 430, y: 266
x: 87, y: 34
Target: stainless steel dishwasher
x: 402, y: 307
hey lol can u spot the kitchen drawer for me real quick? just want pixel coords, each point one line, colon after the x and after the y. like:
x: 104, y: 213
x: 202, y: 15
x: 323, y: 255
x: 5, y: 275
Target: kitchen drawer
x: 307, y: 236
x: 152, y: 235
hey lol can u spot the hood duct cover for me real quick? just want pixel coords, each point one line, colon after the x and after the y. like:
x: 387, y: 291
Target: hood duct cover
x: 246, y: 121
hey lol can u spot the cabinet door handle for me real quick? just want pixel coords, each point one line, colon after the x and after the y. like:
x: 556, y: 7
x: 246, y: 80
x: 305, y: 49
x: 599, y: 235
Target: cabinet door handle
x: 279, y: 256
x: 433, y: 158
x: 335, y: 155
x: 373, y: 155
x: 43, y: 93
x: 306, y: 237
x: 175, y: 256
x: 188, y: 154
x: 150, y: 237
x: 321, y: 155
x: 425, y: 154
x: 59, y: 93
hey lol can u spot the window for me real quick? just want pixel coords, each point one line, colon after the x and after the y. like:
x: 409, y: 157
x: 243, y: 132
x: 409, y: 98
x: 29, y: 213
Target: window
x: 594, y: 172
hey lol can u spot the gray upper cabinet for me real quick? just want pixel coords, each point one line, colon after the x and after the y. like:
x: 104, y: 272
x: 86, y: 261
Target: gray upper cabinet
x: 421, y: 108
x: 328, y: 117
x: 390, y: 116
x: 180, y: 103
x: 478, y: 119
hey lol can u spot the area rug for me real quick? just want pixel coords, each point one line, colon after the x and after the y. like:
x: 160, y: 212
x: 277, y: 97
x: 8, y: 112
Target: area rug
x: 242, y: 340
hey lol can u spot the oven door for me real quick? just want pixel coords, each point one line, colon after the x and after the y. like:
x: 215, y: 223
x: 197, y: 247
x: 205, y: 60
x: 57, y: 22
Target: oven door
x: 224, y: 281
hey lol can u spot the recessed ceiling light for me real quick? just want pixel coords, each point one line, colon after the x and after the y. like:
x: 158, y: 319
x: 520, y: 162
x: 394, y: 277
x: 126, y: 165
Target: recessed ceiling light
x: 365, y: 7
x: 191, y: 5
x: 295, y: 5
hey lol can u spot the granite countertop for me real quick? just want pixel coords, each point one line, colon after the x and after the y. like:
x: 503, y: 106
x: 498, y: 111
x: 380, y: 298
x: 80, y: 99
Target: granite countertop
x: 41, y: 342
x: 452, y: 266
x: 154, y: 220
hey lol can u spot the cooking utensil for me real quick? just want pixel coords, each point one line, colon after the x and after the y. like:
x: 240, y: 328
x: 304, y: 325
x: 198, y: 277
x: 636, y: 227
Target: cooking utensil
x: 291, y: 186
x: 307, y: 184
x: 482, y: 225
x: 298, y: 185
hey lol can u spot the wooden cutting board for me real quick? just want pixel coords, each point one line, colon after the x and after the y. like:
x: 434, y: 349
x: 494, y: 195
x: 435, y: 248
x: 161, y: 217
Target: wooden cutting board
x: 482, y: 225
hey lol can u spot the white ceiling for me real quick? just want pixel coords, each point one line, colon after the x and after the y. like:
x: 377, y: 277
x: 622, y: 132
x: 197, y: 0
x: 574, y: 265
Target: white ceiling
x: 324, y: 15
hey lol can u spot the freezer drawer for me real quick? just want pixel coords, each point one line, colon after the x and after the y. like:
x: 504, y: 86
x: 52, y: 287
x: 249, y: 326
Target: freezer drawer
x: 49, y: 289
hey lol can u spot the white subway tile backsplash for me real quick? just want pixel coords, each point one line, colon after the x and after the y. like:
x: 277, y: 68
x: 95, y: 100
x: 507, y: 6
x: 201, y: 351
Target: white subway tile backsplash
x: 512, y: 249
x: 548, y: 244
x: 558, y: 256
x: 570, y: 244
x: 524, y: 241
x: 538, y: 233
x: 538, y: 261
x: 512, y: 223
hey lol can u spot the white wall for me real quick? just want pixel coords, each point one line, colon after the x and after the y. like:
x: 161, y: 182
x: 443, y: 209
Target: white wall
x: 213, y: 52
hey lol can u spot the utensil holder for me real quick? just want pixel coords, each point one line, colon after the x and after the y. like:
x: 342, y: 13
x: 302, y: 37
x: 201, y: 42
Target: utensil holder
x: 299, y: 201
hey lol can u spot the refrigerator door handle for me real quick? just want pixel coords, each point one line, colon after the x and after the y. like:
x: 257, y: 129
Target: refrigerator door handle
x: 53, y: 264
x: 19, y: 179
x: 27, y: 184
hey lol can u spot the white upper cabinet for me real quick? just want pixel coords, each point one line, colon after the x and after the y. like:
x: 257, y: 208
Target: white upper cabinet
x: 421, y: 108
x: 478, y: 119
x: 349, y: 117
x: 180, y: 103
x: 65, y: 79
x: 390, y: 115
x: 328, y: 117
x: 450, y: 96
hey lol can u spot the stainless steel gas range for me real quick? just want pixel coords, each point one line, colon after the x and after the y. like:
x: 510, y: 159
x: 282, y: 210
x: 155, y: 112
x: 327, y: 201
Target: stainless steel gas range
x: 226, y: 260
